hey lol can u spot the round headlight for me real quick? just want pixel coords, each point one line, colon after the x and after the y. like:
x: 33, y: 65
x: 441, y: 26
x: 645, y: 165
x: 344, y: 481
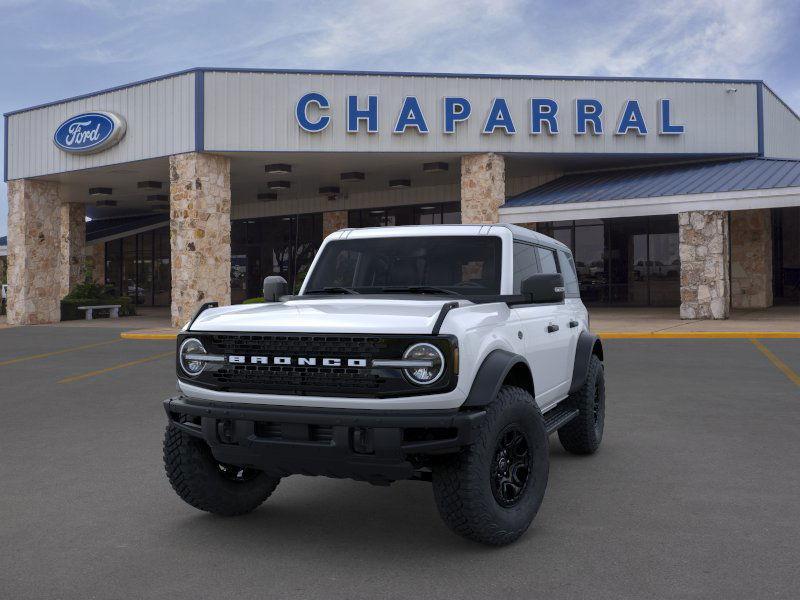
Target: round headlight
x: 191, y: 366
x: 424, y: 352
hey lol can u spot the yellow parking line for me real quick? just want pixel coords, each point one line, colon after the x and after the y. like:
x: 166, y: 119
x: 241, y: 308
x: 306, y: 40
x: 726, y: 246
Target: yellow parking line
x: 132, y: 363
x: 779, y: 364
x: 54, y: 353
x: 128, y: 335
x: 697, y: 335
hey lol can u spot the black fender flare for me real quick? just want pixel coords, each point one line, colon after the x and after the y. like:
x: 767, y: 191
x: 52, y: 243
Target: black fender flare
x: 490, y: 376
x: 588, y: 344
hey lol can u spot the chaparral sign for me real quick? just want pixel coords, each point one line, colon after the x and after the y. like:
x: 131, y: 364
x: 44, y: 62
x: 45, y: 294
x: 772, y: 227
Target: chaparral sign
x: 544, y: 116
x: 90, y: 132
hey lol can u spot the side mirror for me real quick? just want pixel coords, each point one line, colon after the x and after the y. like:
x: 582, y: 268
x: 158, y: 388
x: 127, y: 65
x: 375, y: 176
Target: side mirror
x: 544, y: 288
x: 275, y: 286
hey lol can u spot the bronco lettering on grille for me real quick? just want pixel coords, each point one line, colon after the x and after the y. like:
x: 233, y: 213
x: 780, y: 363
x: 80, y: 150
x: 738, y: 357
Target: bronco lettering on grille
x: 297, y: 361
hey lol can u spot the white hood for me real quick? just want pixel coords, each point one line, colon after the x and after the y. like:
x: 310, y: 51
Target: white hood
x: 327, y: 315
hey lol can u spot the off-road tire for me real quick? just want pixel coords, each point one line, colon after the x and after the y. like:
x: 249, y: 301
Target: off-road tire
x: 462, y: 483
x: 584, y: 433
x: 201, y: 482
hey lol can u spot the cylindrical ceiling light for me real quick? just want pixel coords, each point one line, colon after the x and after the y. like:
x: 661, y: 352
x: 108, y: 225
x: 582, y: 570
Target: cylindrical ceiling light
x: 329, y: 189
x: 279, y: 185
x: 267, y: 196
x: 352, y: 176
x: 158, y: 198
x: 149, y: 185
x: 106, y: 203
x: 435, y: 167
x: 278, y: 168
x: 399, y: 183
x: 100, y: 191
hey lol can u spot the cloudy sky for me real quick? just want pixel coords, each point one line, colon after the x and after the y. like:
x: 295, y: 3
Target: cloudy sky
x: 60, y: 48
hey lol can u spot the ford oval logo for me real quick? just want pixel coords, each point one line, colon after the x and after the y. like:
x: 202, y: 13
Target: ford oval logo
x: 90, y: 132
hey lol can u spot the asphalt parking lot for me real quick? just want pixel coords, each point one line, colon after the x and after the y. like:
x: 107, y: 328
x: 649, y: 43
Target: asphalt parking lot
x: 694, y: 494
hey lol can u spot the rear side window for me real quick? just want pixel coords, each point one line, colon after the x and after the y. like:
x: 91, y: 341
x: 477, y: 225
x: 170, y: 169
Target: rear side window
x: 570, y: 274
x: 547, y: 260
x: 525, y: 264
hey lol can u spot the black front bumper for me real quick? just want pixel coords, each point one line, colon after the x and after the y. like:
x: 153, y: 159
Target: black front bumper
x: 376, y: 446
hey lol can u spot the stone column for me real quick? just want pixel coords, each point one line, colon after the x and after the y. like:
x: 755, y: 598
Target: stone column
x: 483, y: 187
x: 751, y: 258
x: 96, y: 257
x: 703, y: 247
x: 72, y: 246
x: 200, y: 232
x: 33, y: 252
x: 333, y: 220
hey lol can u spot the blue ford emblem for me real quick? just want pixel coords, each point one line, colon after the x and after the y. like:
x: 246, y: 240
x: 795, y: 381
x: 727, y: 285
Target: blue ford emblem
x: 90, y: 132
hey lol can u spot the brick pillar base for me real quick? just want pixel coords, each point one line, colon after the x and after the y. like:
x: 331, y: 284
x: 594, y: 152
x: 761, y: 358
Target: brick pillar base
x: 703, y: 246
x: 33, y: 252
x: 72, y: 246
x: 483, y: 187
x: 200, y: 232
x: 332, y: 221
x: 751, y: 258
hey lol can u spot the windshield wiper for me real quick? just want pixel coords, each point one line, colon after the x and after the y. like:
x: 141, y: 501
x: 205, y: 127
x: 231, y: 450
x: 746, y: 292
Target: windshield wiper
x: 333, y: 290
x: 420, y: 289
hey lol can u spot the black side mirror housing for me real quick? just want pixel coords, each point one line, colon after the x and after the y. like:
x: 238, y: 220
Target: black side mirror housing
x: 544, y: 288
x: 275, y: 286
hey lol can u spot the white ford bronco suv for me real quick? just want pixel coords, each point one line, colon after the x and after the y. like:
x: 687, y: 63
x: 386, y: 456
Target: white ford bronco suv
x: 441, y: 353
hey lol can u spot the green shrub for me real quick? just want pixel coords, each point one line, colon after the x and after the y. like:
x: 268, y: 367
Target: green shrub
x: 254, y: 300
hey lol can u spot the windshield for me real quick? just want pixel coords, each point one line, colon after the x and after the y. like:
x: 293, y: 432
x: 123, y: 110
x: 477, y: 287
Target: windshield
x: 464, y: 265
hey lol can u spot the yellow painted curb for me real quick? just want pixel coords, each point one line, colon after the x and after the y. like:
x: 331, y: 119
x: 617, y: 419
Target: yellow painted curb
x: 694, y: 335
x: 132, y: 335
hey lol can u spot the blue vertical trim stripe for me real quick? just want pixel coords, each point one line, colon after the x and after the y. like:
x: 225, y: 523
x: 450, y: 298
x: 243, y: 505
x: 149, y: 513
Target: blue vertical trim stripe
x: 5, y: 148
x: 760, y: 116
x: 199, y: 109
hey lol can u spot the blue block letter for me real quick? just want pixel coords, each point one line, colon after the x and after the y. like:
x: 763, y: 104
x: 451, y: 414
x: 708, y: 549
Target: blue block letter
x: 543, y: 110
x: 499, y: 116
x: 631, y: 118
x: 588, y: 111
x: 301, y: 112
x: 369, y: 114
x: 664, y: 125
x: 410, y: 116
x: 455, y: 110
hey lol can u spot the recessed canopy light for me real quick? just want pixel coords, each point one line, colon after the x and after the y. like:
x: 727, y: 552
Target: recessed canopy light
x: 329, y: 189
x: 399, y: 183
x: 158, y: 198
x: 106, y: 203
x: 100, y: 191
x: 267, y: 196
x: 377, y: 212
x: 149, y: 185
x: 435, y: 167
x: 278, y: 168
x: 352, y: 176
x: 427, y: 208
x: 279, y: 185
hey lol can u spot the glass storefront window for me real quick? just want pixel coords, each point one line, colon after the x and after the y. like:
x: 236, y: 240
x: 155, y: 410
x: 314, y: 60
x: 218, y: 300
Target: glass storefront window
x: 424, y: 214
x: 623, y: 261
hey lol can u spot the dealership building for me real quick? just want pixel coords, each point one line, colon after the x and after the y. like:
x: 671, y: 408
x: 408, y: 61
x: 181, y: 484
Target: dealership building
x: 670, y: 192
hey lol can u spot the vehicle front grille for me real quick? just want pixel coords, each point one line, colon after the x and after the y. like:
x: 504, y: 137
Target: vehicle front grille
x: 308, y: 380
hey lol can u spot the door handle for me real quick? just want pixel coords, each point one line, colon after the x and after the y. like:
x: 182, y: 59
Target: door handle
x: 552, y: 328
x: 573, y: 323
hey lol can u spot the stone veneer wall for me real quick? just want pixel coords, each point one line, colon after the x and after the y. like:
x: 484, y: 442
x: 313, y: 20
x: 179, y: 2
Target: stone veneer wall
x: 200, y: 232
x: 483, y: 187
x: 72, y: 240
x: 96, y: 258
x: 33, y: 252
x: 703, y: 247
x: 751, y: 258
x: 333, y: 220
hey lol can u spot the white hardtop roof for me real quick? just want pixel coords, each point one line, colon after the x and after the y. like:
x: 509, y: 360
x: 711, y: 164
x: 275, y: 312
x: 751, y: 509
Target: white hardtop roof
x: 517, y: 232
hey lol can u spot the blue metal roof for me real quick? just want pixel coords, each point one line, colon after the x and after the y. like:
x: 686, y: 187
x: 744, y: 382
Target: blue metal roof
x: 671, y: 180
